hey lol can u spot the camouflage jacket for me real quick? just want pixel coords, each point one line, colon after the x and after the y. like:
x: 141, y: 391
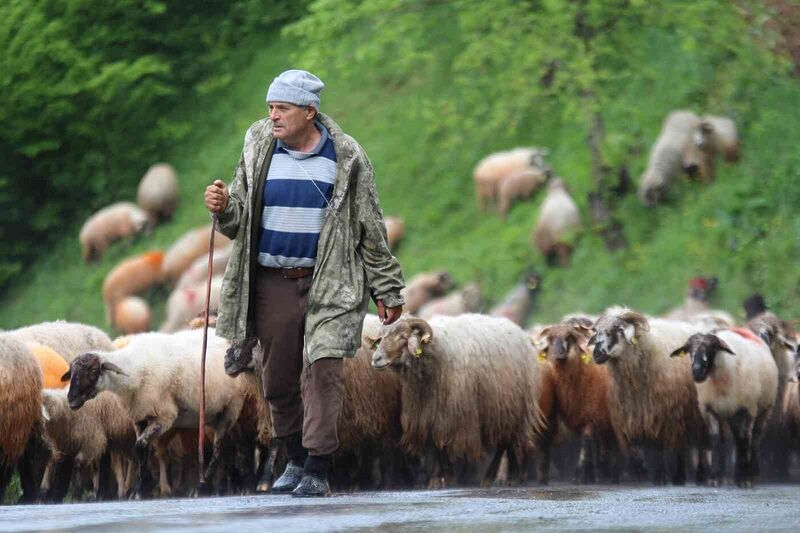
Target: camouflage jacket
x: 353, y: 258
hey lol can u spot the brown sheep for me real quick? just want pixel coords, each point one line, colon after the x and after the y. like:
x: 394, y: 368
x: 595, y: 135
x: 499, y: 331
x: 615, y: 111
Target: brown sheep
x: 193, y: 244
x: 395, y: 229
x: 111, y: 223
x: 582, y: 389
x: 492, y: 170
x: 444, y: 366
x: 131, y: 276
x: 558, y: 223
x: 158, y: 191
x: 652, y: 396
x: 20, y: 402
x: 519, y: 186
x: 466, y: 300
x: 132, y: 315
x: 423, y: 287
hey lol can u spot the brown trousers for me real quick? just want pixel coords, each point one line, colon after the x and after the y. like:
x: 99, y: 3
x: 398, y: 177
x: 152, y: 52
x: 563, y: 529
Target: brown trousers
x: 301, y: 397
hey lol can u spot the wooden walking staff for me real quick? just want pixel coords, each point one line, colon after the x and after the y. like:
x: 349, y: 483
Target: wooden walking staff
x: 202, y: 425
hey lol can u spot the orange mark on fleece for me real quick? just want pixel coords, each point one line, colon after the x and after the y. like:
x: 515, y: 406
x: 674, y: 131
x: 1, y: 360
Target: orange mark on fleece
x: 747, y: 334
x: 154, y: 258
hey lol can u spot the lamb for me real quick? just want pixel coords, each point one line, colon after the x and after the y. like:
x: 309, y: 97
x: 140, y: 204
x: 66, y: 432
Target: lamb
x: 198, y: 271
x: 132, y: 315
x: 20, y: 402
x: 158, y: 192
x: 103, y: 424
x: 444, y: 365
x: 558, y: 223
x: 187, y: 302
x: 395, y: 229
x: 582, y: 394
x: 423, y: 287
x: 518, y: 303
x: 68, y: 339
x: 652, y: 396
x: 490, y: 172
x: 157, y: 377
x: 466, y: 300
x: 116, y: 221
x: 519, y: 186
x: 51, y: 364
x: 737, y: 380
x: 193, y: 244
x: 131, y: 276
x: 678, y: 133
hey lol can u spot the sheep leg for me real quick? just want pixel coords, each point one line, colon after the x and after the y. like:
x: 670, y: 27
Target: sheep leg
x: 268, y: 470
x: 719, y: 454
x: 660, y: 476
x: 119, y: 473
x: 514, y: 467
x: 47, y: 479
x: 6, y: 471
x: 758, y: 433
x: 95, y: 471
x: 160, y: 451
x: 143, y: 479
x: 586, y: 472
x: 741, y: 427
x: 31, y: 467
x: 78, y: 480
x: 491, y: 472
x: 679, y: 473
x: 543, y: 461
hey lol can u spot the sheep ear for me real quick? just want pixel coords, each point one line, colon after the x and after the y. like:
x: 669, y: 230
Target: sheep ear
x: 111, y: 367
x: 680, y: 352
x: 789, y: 345
x: 592, y: 340
x: 723, y: 347
x: 67, y: 375
x: 413, y: 346
x: 765, y: 335
x: 629, y: 330
x: 45, y: 414
x: 636, y: 319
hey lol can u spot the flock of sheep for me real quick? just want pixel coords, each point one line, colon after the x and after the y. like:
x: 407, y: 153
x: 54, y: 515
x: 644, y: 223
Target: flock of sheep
x: 452, y: 393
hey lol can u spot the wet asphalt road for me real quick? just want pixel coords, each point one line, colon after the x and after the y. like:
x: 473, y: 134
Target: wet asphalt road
x: 768, y: 507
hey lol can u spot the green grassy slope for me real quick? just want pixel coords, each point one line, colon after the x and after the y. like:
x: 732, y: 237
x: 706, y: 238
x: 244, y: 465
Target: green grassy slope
x: 742, y: 228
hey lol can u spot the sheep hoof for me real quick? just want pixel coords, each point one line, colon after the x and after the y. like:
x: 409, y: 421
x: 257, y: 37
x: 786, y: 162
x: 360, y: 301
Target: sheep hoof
x: 262, y: 488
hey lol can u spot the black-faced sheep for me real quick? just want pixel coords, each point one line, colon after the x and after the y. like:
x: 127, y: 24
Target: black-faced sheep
x: 737, y: 380
x: 652, y: 396
x: 158, y: 191
x: 558, y: 223
x: 470, y: 386
x: 116, y: 221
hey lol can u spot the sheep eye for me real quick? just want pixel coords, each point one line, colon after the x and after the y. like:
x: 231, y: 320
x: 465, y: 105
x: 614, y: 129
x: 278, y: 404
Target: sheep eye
x: 376, y: 342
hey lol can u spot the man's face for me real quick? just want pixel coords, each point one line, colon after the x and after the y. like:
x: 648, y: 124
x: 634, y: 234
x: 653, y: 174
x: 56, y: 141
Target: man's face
x: 288, y: 119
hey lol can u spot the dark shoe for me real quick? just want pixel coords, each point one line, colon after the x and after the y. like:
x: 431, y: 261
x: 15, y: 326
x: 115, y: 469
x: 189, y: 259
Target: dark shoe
x: 289, y: 480
x: 312, y: 486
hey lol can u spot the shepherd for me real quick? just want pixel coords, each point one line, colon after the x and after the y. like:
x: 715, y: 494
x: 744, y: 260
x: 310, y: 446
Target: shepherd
x: 309, y: 251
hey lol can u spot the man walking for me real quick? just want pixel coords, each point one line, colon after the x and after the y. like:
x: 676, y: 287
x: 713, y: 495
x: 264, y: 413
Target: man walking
x: 309, y: 252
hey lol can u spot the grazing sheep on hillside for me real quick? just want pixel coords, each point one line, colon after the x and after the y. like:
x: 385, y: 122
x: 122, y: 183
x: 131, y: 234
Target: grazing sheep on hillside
x: 52, y: 365
x: 158, y: 191
x: 678, y: 134
x: 582, y: 389
x: 558, y: 223
x: 157, y: 378
x: 198, y: 271
x: 652, y: 396
x: 116, y: 221
x: 102, y: 425
x: 519, y: 186
x: 132, y: 315
x: 67, y: 339
x: 20, y: 403
x: 723, y: 136
x: 490, y: 172
x: 737, y: 380
x: 395, y: 229
x: 423, y: 287
x: 131, y: 276
x: 466, y: 300
x: 193, y: 244
x: 518, y: 303
x: 185, y: 303
x: 445, y: 365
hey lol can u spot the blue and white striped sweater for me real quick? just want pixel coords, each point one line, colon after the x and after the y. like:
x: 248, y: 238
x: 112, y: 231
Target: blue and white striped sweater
x: 294, y: 205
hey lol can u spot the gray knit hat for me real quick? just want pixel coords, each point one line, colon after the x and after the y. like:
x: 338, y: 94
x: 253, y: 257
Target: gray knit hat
x: 296, y: 87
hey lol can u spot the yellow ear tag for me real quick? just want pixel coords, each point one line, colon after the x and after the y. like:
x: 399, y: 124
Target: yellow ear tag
x: 634, y: 341
x: 418, y: 352
x: 542, y: 356
x: 682, y: 354
x: 586, y: 358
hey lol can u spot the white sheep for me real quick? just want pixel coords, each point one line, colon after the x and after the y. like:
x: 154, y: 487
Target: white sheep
x: 157, y: 377
x: 395, y: 229
x: 652, y: 396
x: 666, y: 162
x: 558, y: 223
x: 423, y: 287
x: 132, y: 315
x: 158, y: 191
x: 193, y: 244
x: 517, y: 186
x: 186, y: 303
x: 494, y: 168
x: 470, y: 386
x: 466, y: 300
x: 103, y: 424
x: 67, y: 339
x: 198, y: 271
x: 737, y: 380
x: 723, y: 136
x: 116, y: 221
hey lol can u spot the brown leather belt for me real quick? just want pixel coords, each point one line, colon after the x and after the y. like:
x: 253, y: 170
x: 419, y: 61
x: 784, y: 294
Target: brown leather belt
x: 291, y: 273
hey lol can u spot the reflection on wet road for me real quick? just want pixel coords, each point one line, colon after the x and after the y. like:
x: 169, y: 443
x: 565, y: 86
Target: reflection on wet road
x: 772, y: 507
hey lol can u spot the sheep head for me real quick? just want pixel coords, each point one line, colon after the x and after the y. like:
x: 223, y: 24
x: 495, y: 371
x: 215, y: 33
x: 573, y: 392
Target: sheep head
x: 240, y: 357
x: 703, y: 349
x: 614, y: 329
x: 401, y: 343
x: 85, y: 375
x: 566, y: 341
